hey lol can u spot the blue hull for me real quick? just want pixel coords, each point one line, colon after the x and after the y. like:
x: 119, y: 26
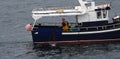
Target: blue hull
x: 57, y: 36
x: 54, y: 34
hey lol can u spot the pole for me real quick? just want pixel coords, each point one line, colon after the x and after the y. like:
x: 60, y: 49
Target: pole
x: 34, y: 24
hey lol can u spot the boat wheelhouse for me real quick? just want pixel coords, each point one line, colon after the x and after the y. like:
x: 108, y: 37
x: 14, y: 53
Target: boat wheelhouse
x: 91, y: 24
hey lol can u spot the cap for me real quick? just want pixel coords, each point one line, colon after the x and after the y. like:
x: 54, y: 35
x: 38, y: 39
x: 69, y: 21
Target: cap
x: 63, y: 19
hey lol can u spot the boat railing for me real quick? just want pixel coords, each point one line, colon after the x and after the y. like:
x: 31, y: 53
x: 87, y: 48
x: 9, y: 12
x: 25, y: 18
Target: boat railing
x: 80, y: 28
x: 55, y: 24
x: 53, y: 8
x: 94, y: 28
x: 105, y: 27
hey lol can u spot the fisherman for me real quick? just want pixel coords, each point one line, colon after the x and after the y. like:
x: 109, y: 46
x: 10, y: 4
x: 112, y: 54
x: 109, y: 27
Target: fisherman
x: 65, y: 25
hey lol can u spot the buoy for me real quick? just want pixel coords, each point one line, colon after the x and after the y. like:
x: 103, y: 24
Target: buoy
x: 28, y: 27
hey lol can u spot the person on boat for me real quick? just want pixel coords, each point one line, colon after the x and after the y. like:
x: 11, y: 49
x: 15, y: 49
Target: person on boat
x: 65, y: 25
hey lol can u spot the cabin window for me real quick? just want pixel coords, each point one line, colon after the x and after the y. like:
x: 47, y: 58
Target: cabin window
x: 88, y: 4
x: 99, y: 15
x: 104, y: 13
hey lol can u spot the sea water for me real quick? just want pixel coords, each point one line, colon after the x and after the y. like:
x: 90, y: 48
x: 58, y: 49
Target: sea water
x: 16, y: 42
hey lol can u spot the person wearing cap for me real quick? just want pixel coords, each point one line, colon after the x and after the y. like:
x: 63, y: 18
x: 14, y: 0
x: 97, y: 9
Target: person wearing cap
x: 65, y: 25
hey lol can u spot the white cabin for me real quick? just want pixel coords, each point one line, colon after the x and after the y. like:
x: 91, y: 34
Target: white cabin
x: 86, y: 12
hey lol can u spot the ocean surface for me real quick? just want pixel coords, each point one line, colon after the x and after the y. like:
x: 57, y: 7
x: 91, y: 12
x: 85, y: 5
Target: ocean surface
x: 16, y: 42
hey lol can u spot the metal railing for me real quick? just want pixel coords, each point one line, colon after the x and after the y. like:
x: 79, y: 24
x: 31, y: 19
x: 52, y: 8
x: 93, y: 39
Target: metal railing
x: 105, y: 27
x: 80, y: 28
x: 53, y: 8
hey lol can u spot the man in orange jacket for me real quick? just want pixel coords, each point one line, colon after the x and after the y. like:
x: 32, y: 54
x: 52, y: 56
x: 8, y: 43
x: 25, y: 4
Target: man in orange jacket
x: 65, y: 25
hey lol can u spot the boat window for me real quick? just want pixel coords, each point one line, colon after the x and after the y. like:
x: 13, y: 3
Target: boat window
x: 99, y: 15
x: 104, y: 13
x: 88, y: 4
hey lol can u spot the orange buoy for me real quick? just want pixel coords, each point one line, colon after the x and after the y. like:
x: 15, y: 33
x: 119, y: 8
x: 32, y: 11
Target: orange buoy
x: 28, y: 27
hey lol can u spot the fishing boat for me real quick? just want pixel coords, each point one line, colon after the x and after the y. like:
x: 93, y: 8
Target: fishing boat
x: 91, y: 24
